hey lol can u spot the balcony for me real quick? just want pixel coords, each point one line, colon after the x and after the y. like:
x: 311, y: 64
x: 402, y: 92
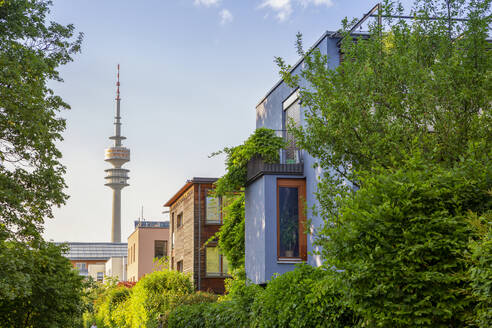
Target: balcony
x: 290, y: 163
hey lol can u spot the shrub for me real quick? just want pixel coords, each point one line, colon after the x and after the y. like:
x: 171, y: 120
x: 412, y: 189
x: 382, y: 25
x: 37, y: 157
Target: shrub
x: 188, y: 299
x: 401, y: 242
x: 233, y: 310
x: 114, y: 298
x: 188, y: 316
x: 155, y: 294
x: 304, y: 297
x: 481, y: 270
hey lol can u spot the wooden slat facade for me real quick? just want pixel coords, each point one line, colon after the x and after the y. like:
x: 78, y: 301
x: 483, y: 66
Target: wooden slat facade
x: 188, y: 242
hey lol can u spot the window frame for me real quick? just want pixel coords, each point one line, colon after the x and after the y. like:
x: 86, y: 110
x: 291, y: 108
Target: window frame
x: 164, y: 247
x: 179, y: 266
x: 221, y: 264
x: 300, y: 184
x: 179, y: 220
x: 208, y: 193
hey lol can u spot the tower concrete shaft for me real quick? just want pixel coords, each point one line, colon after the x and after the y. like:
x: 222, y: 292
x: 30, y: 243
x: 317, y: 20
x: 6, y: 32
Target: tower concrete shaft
x: 117, y: 177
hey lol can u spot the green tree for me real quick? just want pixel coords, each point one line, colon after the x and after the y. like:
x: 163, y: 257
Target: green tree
x: 31, y: 176
x: 407, y: 88
x: 401, y: 243
x: 45, y: 291
x: 262, y: 143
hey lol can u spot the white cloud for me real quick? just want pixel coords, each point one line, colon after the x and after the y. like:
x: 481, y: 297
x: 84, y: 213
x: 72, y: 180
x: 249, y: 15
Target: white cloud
x: 206, y: 3
x: 327, y: 3
x: 283, y: 8
x: 225, y: 16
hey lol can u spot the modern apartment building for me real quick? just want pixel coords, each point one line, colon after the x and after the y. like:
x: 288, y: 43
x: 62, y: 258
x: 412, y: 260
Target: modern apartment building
x: 148, y: 242
x: 98, y: 260
x: 278, y: 195
x: 195, y: 216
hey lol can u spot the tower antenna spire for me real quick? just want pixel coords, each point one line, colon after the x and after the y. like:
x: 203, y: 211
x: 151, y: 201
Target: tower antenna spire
x: 118, y: 84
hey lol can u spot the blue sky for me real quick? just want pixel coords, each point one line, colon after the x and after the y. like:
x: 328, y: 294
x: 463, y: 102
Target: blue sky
x: 192, y: 72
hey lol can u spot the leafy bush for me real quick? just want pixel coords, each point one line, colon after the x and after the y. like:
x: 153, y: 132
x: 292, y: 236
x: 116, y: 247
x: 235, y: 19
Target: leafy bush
x: 188, y: 299
x: 109, y: 312
x: 401, y: 242
x: 189, y: 316
x: 233, y: 310
x: 304, y: 297
x: 481, y: 270
x: 155, y: 294
x: 262, y: 143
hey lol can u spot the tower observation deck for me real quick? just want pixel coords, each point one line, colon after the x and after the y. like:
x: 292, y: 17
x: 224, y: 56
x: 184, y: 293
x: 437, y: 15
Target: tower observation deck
x: 117, y: 177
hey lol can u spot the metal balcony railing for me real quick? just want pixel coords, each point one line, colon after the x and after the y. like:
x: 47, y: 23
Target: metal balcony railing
x: 290, y: 163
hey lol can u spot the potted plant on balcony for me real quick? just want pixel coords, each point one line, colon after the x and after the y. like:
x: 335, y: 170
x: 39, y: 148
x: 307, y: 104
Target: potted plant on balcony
x: 289, y: 231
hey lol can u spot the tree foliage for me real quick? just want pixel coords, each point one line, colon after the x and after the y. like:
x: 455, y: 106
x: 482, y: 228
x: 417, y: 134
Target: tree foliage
x: 38, y: 287
x: 262, y: 143
x: 231, y: 234
x: 31, y: 176
x: 304, y: 297
x: 401, y: 243
x: 408, y: 88
x: 481, y: 268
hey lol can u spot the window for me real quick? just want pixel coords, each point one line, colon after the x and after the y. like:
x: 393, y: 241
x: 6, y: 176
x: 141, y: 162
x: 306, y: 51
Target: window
x: 292, y: 114
x: 100, y: 276
x: 179, y: 266
x: 213, y: 209
x: 291, y: 238
x: 180, y: 219
x: 81, y: 266
x: 216, y: 263
x: 160, y: 248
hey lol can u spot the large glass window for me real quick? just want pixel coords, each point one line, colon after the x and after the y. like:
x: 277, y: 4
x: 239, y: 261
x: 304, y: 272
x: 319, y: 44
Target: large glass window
x: 292, y: 241
x: 216, y: 263
x: 213, y: 209
x: 160, y: 248
x: 292, y: 115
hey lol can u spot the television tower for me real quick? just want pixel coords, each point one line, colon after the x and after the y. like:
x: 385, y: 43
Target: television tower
x: 117, y: 177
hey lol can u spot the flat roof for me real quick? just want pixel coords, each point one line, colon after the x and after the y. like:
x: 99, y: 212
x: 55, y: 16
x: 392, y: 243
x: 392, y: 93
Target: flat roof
x: 95, y: 251
x: 188, y: 184
x: 151, y: 224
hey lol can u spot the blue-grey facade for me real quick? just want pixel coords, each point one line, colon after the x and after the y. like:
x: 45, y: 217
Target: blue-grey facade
x: 262, y: 260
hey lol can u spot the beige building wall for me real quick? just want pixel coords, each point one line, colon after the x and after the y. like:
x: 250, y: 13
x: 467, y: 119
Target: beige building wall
x: 116, y: 268
x: 141, y: 250
x: 94, y: 269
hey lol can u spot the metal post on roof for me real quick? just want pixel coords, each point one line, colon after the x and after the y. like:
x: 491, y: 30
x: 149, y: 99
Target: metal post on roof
x: 366, y: 16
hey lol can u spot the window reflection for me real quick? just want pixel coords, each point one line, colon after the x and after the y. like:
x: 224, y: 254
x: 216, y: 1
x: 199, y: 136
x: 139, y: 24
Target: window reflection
x: 288, y: 204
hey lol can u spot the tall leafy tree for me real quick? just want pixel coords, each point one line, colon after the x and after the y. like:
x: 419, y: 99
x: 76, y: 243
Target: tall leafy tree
x: 38, y: 287
x: 406, y: 119
x: 31, y: 176
x: 409, y: 85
